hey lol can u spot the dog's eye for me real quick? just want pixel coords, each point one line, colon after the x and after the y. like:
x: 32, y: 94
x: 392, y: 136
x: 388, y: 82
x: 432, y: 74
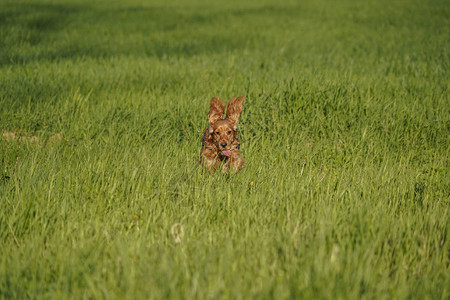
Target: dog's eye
x: 217, y: 132
x: 229, y: 131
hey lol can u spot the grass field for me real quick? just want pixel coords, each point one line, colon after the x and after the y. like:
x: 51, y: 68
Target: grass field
x: 345, y: 132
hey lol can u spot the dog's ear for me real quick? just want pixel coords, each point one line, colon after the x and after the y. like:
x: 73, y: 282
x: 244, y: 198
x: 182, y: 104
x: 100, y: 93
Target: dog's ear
x: 234, y: 109
x: 216, y: 110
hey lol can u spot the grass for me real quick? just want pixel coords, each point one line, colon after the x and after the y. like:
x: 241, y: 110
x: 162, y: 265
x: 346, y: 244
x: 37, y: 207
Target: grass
x: 345, y: 133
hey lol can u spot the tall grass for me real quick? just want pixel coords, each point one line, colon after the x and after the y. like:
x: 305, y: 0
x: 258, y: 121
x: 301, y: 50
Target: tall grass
x: 345, y: 132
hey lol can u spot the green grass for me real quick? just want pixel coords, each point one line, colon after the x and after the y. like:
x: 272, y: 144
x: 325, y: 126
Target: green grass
x: 345, y: 132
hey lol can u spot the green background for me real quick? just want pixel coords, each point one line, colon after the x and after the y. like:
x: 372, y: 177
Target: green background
x: 345, y: 132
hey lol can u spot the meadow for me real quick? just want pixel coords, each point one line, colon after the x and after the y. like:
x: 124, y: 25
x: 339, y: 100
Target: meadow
x: 345, y: 132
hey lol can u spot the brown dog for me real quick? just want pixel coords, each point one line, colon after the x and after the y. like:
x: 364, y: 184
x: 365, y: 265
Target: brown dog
x: 220, y: 144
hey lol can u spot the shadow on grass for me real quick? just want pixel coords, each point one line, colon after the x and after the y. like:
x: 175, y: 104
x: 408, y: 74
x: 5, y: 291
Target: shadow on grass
x: 39, y: 32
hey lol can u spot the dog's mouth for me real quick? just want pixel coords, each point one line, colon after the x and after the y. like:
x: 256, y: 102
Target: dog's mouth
x: 227, y: 153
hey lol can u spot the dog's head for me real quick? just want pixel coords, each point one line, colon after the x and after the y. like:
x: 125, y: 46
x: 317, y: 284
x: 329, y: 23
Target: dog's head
x: 223, y: 132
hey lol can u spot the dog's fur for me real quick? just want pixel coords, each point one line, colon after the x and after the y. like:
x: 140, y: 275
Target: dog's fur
x: 220, y: 142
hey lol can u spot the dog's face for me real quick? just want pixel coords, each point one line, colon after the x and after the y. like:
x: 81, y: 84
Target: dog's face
x: 223, y: 132
x: 224, y: 136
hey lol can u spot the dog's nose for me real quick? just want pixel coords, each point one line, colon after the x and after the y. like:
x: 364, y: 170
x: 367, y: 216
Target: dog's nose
x: 223, y: 145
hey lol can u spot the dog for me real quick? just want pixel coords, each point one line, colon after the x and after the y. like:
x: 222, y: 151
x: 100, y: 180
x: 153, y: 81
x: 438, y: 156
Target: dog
x: 220, y: 143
